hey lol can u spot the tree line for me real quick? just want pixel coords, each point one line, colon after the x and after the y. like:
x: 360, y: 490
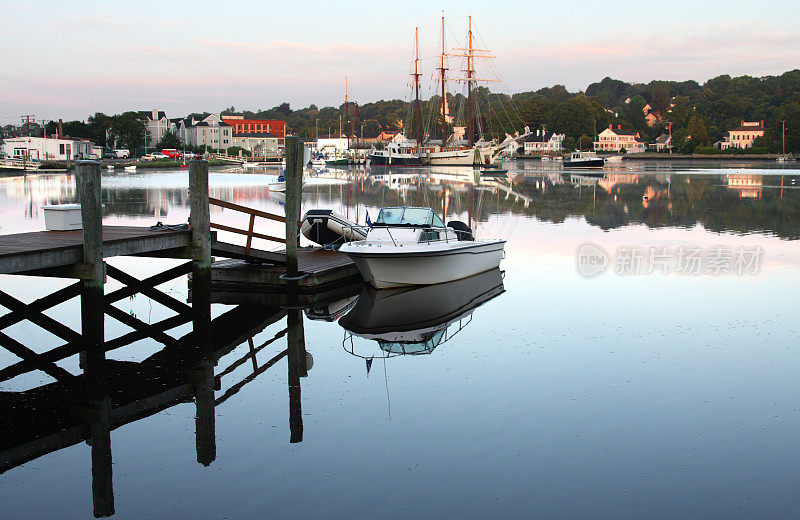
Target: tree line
x: 699, y: 114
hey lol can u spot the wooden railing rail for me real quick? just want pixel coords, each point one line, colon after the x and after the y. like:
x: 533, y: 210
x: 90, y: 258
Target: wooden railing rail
x: 250, y: 233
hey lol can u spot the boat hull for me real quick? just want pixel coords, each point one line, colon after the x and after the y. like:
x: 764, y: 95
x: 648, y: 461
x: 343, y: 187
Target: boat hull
x: 418, y: 266
x: 590, y: 163
x: 465, y: 157
x: 395, y: 160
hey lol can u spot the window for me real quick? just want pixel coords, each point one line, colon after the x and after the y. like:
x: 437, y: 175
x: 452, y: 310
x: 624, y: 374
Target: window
x: 61, y: 149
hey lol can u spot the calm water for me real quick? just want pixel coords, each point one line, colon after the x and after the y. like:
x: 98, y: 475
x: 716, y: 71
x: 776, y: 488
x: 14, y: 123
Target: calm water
x: 664, y: 385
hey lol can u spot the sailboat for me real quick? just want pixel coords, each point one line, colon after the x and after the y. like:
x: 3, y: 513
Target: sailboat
x: 481, y: 152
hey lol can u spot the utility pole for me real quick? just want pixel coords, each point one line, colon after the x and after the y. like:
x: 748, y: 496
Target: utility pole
x: 783, y: 135
x: 26, y: 121
x: 670, y: 137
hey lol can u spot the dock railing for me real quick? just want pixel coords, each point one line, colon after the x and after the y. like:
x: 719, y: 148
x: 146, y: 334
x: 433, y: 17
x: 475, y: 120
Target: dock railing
x: 250, y: 233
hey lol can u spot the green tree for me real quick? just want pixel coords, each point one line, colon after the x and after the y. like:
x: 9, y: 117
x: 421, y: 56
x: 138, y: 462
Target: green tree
x: 129, y: 128
x: 169, y: 141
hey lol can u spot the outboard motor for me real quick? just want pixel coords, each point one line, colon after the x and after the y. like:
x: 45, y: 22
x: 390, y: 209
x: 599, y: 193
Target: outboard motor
x: 463, y: 231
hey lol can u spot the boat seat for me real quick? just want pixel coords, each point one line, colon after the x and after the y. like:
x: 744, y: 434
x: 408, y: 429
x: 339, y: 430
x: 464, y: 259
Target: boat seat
x: 463, y: 231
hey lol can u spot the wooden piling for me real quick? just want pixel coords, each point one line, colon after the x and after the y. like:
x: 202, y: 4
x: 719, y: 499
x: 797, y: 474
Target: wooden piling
x: 88, y: 187
x: 294, y: 192
x: 199, y: 217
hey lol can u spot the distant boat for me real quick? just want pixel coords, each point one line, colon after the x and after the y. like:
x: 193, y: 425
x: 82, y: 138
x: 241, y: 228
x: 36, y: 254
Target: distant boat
x: 489, y: 172
x: 337, y: 161
x: 130, y: 168
x: 583, y: 160
x: 396, y: 154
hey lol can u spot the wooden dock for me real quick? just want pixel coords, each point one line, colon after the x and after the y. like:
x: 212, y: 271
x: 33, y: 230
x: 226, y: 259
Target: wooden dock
x: 41, y: 250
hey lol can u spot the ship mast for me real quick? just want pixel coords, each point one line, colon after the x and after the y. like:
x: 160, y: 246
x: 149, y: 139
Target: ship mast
x: 444, y: 94
x: 346, y: 115
x: 470, y: 70
x: 416, y: 88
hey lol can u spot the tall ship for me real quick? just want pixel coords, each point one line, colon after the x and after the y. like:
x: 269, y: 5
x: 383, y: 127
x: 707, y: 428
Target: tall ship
x: 475, y: 152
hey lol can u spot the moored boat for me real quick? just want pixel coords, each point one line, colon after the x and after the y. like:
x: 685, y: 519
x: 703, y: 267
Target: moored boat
x: 412, y: 246
x: 396, y: 154
x: 583, y: 160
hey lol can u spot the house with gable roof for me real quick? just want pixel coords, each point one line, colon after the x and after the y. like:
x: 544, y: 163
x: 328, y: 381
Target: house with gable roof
x: 615, y: 139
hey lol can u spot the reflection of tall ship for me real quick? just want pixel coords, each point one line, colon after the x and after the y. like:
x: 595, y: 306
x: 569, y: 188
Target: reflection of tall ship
x: 416, y: 320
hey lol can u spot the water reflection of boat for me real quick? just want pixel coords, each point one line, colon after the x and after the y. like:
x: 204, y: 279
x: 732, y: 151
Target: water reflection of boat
x: 416, y: 320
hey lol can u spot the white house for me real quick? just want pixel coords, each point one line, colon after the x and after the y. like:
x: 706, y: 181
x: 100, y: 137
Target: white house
x: 615, y: 139
x: 47, y: 148
x: 542, y: 142
x: 211, y: 132
x: 663, y: 142
x: 332, y: 144
x: 260, y: 144
x: 157, y: 125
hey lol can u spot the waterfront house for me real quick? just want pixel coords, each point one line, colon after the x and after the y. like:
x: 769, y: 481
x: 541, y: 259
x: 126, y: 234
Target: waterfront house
x: 211, y: 132
x: 332, y: 144
x: 260, y: 144
x: 744, y: 135
x: 542, y: 143
x: 663, y: 142
x: 47, y: 148
x: 615, y: 139
x: 157, y: 125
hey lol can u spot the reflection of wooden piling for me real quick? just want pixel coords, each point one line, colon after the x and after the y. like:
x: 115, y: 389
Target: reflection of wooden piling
x: 296, y: 352
x: 102, y: 477
x: 294, y: 188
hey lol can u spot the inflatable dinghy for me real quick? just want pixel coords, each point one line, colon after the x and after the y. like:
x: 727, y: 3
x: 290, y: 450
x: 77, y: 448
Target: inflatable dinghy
x: 328, y: 228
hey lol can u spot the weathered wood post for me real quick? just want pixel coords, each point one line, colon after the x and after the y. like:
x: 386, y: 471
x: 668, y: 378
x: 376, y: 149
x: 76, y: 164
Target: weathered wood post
x: 294, y: 192
x: 199, y: 217
x: 202, y: 373
x: 93, y: 331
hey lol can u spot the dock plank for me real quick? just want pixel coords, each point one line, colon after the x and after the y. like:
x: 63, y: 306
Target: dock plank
x: 324, y: 267
x: 22, y: 252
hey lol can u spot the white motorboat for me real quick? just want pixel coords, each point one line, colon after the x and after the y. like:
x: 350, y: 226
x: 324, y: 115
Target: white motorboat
x: 412, y: 246
x: 328, y: 228
x: 130, y: 168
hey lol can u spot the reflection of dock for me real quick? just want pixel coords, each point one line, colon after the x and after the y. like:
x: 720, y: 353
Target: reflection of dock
x: 88, y: 403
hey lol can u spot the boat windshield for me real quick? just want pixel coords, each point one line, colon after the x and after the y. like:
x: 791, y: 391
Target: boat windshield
x: 409, y: 216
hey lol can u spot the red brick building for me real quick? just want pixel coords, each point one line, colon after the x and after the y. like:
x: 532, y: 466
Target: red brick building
x: 256, y: 126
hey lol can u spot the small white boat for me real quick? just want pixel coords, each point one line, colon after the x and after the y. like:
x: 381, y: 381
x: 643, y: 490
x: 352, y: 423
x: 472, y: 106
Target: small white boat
x: 110, y: 167
x: 130, y: 168
x: 412, y: 246
x: 328, y: 228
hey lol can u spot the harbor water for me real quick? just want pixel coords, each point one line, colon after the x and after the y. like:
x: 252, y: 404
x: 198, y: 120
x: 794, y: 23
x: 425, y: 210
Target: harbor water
x: 635, y: 357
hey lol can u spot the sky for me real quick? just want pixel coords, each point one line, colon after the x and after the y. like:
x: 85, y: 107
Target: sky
x: 71, y: 59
